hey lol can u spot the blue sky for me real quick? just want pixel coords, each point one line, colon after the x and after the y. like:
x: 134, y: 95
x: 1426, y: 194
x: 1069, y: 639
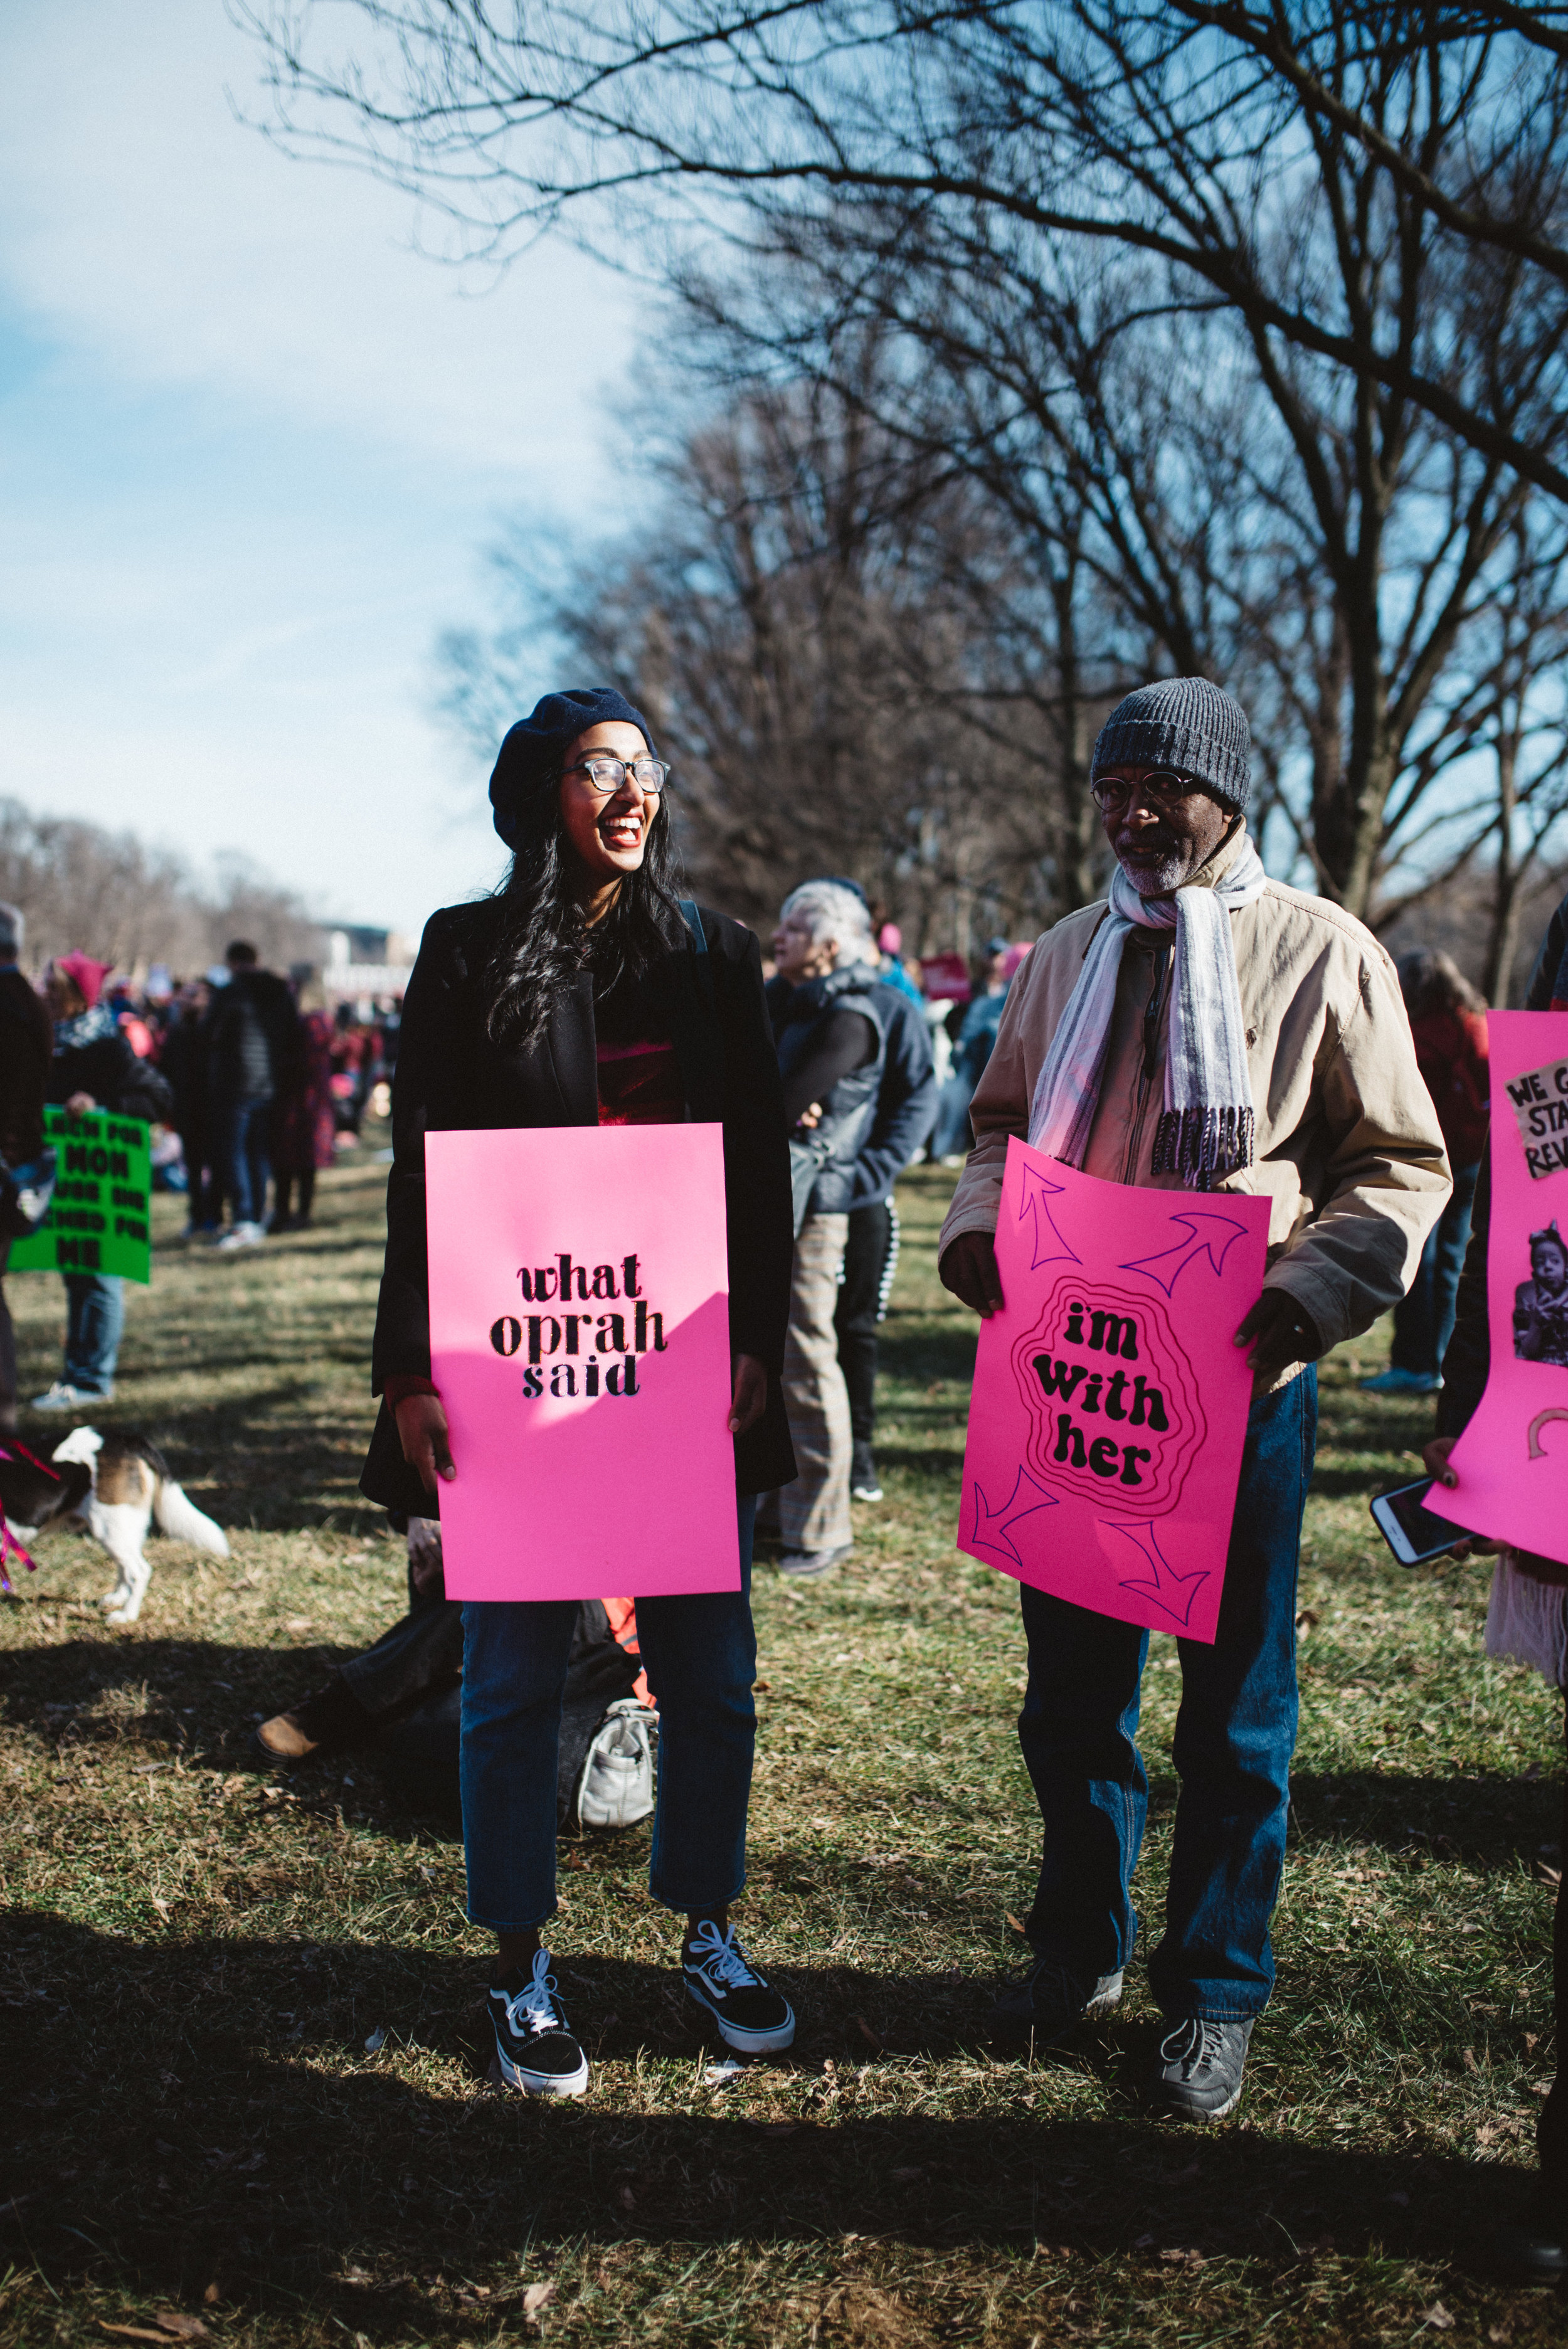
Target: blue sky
x: 253, y: 443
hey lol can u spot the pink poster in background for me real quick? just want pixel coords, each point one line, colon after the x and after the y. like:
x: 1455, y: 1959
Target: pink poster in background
x: 579, y: 1336
x: 1110, y: 1405
x: 1513, y: 1459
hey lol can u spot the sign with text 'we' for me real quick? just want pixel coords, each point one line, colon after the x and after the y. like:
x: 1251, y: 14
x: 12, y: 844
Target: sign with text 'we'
x: 1109, y: 1407
x: 579, y: 1337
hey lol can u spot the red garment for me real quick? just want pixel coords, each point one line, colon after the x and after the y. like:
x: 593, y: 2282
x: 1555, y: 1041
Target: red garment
x: 640, y: 1084
x: 623, y: 1615
x: 1451, y: 1052
x: 302, y: 1138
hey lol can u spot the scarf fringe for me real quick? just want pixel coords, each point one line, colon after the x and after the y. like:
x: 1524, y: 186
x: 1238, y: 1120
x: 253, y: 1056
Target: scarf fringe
x: 1204, y: 1145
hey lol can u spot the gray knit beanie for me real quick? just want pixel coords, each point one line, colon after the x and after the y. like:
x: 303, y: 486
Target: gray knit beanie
x: 1186, y: 723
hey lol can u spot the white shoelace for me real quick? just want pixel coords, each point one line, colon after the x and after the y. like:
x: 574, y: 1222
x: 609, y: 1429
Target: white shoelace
x: 721, y: 1957
x: 535, y: 2010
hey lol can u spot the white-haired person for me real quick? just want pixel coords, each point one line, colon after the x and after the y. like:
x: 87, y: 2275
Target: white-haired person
x: 832, y: 1034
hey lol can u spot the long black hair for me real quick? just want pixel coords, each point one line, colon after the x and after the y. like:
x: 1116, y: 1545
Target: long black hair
x: 544, y: 942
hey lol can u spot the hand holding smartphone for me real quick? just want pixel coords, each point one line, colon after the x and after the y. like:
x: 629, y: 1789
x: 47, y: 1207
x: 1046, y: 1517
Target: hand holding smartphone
x: 1412, y: 1531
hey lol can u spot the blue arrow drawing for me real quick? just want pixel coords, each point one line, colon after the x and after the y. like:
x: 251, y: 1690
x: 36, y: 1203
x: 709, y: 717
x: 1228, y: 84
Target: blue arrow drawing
x: 1205, y: 1227
x: 1049, y: 1245
x: 1171, y: 1592
x: 1027, y: 1495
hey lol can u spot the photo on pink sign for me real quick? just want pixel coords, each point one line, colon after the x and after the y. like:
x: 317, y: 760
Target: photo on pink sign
x: 580, y: 1339
x: 1109, y: 1403
x: 1512, y: 1461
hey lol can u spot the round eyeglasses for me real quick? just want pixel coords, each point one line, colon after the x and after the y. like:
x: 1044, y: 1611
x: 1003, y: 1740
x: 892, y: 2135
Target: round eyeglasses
x: 608, y: 775
x: 1161, y: 789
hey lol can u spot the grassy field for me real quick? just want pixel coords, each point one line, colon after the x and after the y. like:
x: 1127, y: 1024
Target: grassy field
x: 246, y: 2077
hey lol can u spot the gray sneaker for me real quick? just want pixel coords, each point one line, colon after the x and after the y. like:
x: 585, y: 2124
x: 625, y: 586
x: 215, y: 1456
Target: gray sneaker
x: 1201, y: 2067
x: 807, y: 1564
x: 1047, y: 2000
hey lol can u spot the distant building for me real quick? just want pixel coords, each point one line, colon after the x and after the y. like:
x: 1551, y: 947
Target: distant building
x: 363, y: 962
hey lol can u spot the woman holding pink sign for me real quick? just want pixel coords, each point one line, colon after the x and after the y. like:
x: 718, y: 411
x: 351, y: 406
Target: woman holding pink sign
x: 585, y: 993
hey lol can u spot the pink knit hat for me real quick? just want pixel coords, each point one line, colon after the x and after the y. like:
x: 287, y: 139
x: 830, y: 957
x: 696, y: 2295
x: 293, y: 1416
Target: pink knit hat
x: 89, y: 976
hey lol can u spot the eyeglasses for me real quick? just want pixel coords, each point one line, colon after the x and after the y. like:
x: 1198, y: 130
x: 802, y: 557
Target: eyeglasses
x: 607, y: 775
x: 1161, y: 790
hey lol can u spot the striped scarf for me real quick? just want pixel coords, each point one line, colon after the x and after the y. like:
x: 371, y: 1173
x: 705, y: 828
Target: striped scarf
x: 1206, y: 1130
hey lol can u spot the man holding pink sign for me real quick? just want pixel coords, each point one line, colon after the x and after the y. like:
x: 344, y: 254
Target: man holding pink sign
x: 562, y: 1355
x: 1209, y: 1032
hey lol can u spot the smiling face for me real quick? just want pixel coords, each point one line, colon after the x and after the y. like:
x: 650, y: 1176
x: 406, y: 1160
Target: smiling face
x: 608, y: 831
x: 1160, y: 843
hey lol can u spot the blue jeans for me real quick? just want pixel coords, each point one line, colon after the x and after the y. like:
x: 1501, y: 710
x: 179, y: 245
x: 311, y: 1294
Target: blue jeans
x: 1424, y: 1321
x: 246, y: 1131
x: 1235, y: 1733
x: 700, y: 1655
x: 95, y: 1317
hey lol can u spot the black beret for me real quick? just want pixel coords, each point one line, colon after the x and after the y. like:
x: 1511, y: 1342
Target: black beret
x: 535, y: 746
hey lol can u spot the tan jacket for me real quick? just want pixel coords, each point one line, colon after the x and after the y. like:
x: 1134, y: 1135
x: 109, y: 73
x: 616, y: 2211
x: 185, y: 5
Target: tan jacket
x: 1349, y: 1149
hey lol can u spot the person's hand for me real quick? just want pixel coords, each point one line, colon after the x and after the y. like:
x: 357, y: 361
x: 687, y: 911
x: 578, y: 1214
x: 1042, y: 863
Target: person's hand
x: 750, y: 1400
x: 809, y: 1119
x: 968, y: 1268
x: 1435, y: 1461
x: 425, y: 1552
x: 80, y: 1106
x: 1276, y: 1332
x: 422, y: 1431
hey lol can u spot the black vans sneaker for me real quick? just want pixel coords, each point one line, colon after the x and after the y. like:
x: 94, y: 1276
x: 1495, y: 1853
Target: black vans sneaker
x: 1199, y: 2076
x: 534, y: 2049
x: 1047, y: 2002
x: 752, y: 2018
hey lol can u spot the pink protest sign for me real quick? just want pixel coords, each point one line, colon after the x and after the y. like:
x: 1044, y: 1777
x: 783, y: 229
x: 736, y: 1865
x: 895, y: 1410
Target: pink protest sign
x: 579, y: 1336
x: 1513, y: 1459
x: 1110, y: 1405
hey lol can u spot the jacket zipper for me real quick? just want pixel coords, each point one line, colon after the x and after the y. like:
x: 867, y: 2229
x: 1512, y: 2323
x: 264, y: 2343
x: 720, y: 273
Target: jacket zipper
x: 1163, y: 964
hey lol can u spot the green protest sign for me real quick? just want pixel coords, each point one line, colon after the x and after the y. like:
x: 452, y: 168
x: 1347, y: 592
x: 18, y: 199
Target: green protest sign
x: 97, y: 1220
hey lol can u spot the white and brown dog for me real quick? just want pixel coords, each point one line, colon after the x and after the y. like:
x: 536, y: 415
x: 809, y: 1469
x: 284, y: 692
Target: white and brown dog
x: 114, y: 1487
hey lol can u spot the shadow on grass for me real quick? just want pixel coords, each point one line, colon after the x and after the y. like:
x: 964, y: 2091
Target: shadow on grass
x: 181, y: 2115
x: 1486, y: 1820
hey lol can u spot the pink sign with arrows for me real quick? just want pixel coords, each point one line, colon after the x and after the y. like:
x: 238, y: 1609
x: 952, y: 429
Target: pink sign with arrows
x: 1110, y: 1405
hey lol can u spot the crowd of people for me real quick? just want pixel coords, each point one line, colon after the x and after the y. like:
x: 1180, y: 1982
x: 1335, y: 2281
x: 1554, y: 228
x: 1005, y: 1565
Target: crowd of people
x: 1204, y: 1026
x: 248, y: 1085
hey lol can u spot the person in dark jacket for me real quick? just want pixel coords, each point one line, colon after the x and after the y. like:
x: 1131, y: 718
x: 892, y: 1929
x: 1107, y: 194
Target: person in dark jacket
x: 93, y: 1068
x: 1535, y: 2252
x: 182, y: 1063
x: 1448, y: 1022
x: 26, y: 1045
x: 830, y: 1018
x: 906, y: 1106
x: 253, y: 1041
x: 574, y: 997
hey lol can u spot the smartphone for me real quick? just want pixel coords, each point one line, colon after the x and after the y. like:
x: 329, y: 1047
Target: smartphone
x: 1412, y: 1531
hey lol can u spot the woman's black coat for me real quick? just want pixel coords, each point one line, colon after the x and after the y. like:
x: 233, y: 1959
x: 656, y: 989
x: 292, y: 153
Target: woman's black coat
x: 118, y: 1080
x: 451, y: 1076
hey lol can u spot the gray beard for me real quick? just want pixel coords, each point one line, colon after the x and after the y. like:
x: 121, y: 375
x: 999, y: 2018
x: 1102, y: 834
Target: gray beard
x: 1159, y: 880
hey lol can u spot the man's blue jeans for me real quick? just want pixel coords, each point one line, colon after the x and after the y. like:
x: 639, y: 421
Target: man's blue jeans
x: 700, y: 1655
x: 246, y: 1127
x: 1235, y: 1733
x: 95, y: 1318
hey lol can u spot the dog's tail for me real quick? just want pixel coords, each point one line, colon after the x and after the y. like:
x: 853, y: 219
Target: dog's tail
x: 182, y: 1519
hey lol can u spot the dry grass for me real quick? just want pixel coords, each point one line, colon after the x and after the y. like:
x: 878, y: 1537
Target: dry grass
x: 195, y: 1958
